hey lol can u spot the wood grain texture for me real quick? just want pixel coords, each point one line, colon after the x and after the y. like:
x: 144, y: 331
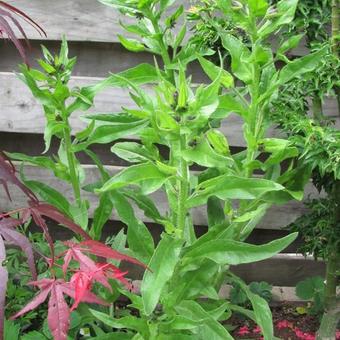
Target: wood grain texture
x: 86, y: 20
x: 280, y: 270
x: 277, y: 216
x: 94, y: 59
x: 20, y: 112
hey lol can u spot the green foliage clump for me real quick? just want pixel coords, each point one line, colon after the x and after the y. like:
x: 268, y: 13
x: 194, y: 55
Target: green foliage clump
x: 321, y: 234
x: 312, y: 289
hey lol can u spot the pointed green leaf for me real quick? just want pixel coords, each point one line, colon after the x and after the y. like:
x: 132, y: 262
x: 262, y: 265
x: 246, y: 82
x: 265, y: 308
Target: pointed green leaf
x: 131, y: 152
x: 139, y: 239
x: 101, y: 215
x: 239, y: 55
x: 231, y: 187
x: 213, y: 72
x: 162, y: 265
x: 209, y: 328
x: 234, y: 253
x: 136, y: 174
x: 203, y: 154
x: 131, y: 44
x: 301, y: 65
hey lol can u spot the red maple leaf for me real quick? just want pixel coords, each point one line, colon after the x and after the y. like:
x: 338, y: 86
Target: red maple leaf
x: 58, y: 316
x: 7, y: 20
x: 91, y: 271
x: 7, y: 175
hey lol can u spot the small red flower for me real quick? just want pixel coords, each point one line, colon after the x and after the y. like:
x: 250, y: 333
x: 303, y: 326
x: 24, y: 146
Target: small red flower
x: 337, y: 336
x: 257, y: 330
x: 304, y: 336
x: 284, y: 324
x: 244, y: 330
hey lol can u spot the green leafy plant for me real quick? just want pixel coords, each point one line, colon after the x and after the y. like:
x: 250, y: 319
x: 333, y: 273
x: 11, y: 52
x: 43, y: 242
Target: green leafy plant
x: 186, y: 118
x: 312, y: 289
x: 318, y: 143
x: 263, y: 289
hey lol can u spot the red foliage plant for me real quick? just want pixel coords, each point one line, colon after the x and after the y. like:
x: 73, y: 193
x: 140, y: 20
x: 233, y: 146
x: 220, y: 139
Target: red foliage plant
x: 8, y: 24
x: 87, y: 271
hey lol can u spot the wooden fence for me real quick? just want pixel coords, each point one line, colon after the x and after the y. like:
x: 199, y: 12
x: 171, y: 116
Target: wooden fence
x: 91, y: 30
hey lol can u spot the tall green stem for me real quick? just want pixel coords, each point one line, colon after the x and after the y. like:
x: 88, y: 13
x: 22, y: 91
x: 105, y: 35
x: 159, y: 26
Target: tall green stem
x: 164, y: 51
x: 183, y: 189
x: 72, y: 165
x: 331, y: 315
x: 183, y: 181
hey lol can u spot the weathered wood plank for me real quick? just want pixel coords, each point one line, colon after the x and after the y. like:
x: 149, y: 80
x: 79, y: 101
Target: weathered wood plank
x: 82, y: 20
x: 94, y: 59
x: 20, y: 112
x: 280, y: 270
x: 276, y: 217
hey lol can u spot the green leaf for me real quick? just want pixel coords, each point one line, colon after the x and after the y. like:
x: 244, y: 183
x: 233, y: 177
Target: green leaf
x: 214, y: 71
x: 138, y: 75
x: 101, y: 215
x: 215, y: 211
x: 136, y: 174
x: 209, y: 328
x: 131, y: 44
x: 262, y: 313
x: 162, y: 265
x: 203, y: 154
x: 108, y: 133
x: 239, y: 57
x: 233, y: 252
x: 252, y: 218
x: 228, y: 104
x: 132, y: 152
x: 219, y: 142
x: 171, y: 20
x: 307, y: 289
x: 120, y: 4
x: 183, y: 88
x: 258, y: 8
x: 50, y: 195
x: 231, y: 187
x: 180, y: 36
x: 113, y: 336
x: 81, y: 135
x: 301, y: 65
x: 191, y: 284
x: 11, y: 330
x: 126, y: 322
x: 143, y: 202
x: 164, y: 4
x: 34, y: 335
x: 44, y: 96
x: 61, y: 92
x: 285, y: 14
x: 138, y: 236
x: 289, y: 44
x: 51, y: 129
x: 43, y: 162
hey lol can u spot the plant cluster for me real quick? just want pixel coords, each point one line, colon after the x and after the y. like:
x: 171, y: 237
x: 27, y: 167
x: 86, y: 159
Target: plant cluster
x: 313, y: 289
x: 58, y: 282
x: 186, y: 118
